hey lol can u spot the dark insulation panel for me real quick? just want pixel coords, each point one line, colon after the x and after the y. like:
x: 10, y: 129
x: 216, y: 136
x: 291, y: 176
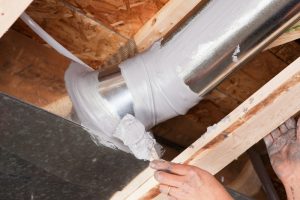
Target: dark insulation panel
x: 43, y: 156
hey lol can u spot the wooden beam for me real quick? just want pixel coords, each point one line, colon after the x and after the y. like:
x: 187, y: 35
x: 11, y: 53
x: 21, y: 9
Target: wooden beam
x: 35, y: 76
x: 163, y: 21
x: 290, y: 35
x: 261, y: 113
x: 10, y: 10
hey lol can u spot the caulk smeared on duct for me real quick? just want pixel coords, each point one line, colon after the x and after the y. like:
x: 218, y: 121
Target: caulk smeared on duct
x: 102, y: 122
x: 169, y: 79
x: 95, y: 114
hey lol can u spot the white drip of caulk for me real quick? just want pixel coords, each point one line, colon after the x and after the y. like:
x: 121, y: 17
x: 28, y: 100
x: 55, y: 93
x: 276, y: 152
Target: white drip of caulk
x: 141, y: 143
x: 235, y: 54
x: 105, y: 127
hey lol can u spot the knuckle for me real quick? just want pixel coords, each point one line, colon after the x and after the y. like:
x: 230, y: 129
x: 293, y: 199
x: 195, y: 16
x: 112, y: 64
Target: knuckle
x: 169, y: 167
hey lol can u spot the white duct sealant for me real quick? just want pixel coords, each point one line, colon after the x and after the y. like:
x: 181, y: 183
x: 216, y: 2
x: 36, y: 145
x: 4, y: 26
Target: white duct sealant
x: 158, y: 92
x: 141, y: 143
x: 235, y: 54
x: 102, y: 122
x: 156, y: 78
x: 94, y: 112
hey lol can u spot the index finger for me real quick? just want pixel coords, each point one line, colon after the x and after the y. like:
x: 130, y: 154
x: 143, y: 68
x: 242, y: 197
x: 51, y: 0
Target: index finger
x: 173, y: 168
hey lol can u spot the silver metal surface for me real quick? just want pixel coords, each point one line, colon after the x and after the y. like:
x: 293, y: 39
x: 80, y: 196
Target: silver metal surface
x: 113, y: 88
x: 253, y: 36
x: 261, y: 28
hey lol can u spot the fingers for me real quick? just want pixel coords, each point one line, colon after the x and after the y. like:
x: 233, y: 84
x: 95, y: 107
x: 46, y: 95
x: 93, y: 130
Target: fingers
x: 173, y: 192
x: 170, y: 167
x: 298, y: 130
x: 169, y: 179
x: 283, y: 128
x: 268, y: 140
x: 291, y: 123
x: 276, y: 133
x: 291, y: 135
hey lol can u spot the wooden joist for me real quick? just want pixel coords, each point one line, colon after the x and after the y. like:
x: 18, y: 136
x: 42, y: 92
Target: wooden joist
x: 164, y: 21
x: 291, y: 34
x: 10, y: 10
x: 261, y: 113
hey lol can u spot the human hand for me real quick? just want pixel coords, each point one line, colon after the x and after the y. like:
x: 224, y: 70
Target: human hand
x: 283, y: 146
x: 184, y: 182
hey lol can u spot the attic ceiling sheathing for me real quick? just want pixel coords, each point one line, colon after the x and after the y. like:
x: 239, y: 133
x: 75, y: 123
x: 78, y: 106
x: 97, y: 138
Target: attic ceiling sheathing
x: 95, y: 31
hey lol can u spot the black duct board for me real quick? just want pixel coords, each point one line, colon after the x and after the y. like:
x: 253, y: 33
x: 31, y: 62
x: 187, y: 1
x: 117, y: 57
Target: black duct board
x: 53, y: 152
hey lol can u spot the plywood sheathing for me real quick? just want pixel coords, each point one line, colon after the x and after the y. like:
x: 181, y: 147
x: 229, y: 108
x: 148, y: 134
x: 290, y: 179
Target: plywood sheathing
x: 88, y: 39
x: 99, y: 32
x: 124, y: 16
x: 31, y: 71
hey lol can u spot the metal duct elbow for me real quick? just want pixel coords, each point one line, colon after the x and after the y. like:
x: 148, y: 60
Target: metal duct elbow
x: 167, y: 80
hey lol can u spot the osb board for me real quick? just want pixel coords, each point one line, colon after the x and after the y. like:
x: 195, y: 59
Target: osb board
x: 124, y: 16
x: 88, y: 39
x: 31, y: 71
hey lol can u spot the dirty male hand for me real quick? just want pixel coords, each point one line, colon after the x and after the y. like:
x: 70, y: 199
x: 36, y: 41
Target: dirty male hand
x: 283, y: 146
x: 184, y: 182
